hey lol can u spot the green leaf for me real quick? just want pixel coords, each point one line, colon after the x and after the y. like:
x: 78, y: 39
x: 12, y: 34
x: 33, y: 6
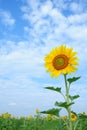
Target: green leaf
x: 63, y: 104
x: 70, y: 80
x: 53, y: 111
x: 54, y: 89
x: 74, y: 97
x: 73, y: 112
x: 81, y: 116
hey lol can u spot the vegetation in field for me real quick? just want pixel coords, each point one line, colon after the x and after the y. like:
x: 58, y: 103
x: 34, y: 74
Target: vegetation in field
x: 39, y: 122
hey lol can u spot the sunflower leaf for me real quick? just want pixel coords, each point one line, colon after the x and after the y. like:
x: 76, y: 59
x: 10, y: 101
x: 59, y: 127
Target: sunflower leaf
x: 81, y: 116
x: 73, y: 97
x: 54, y: 89
x: 63, y: 104
x: 70, y: 80
x: 73, y: 112
x: 53, y: 111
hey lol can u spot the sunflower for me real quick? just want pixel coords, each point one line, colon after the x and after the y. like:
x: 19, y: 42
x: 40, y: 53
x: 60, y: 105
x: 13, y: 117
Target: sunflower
x: 61, y: 60
x: 73, y: 117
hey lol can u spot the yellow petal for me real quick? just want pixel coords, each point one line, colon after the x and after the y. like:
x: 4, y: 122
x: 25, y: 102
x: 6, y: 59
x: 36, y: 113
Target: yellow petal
x: 61, y: 52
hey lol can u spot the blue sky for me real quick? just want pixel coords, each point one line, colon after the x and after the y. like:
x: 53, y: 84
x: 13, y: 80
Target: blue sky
x: 29, y: 29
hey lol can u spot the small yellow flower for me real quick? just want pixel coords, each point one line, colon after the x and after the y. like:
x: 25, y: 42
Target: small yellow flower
x: 73, y: 117
x: 83, y: 113
x: 64, y: 117
x: 49, y: 117
x: 37, y: 111
x: 29, y: 117
x: 6, y: 115
x: 61, y: 60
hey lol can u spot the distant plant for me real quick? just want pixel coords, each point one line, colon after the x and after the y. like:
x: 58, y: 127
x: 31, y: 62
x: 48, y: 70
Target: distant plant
x: 39, y: 122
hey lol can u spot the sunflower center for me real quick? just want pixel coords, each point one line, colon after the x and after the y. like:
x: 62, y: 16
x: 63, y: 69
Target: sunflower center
x: 72, y: 116
x: 60, y: 62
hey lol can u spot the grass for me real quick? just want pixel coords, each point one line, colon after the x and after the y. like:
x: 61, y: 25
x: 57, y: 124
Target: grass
x: 38, y: 122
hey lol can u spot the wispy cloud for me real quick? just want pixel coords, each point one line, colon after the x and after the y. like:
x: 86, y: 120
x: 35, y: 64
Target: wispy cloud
x: 6, y: 18
x: 50, y: 26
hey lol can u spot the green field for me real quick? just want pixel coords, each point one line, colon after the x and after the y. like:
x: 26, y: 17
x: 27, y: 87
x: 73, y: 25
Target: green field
x: 37, y: 122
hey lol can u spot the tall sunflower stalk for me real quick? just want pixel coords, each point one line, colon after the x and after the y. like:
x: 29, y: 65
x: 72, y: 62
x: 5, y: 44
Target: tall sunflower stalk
x: 63, y: 61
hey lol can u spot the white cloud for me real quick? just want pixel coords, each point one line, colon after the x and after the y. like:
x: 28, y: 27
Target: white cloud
x: 76, y: 7
x: 55, y: 25
x: 22, y: 61
x: 46, y: 8
x: 6, y: 18
x: 77, y: 33
x: 78, y: 19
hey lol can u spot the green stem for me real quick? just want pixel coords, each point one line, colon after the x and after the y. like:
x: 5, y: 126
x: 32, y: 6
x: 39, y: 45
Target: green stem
x: 68, y: 101
x: 76, y: 125
x: 63, y: 96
